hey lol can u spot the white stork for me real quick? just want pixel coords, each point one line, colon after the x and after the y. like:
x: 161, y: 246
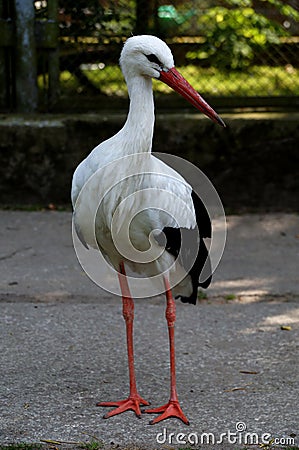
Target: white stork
x: 143, y: 58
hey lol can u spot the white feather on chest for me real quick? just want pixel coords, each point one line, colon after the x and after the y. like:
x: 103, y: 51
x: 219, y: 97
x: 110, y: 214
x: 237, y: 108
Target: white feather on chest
x: 128, y: 198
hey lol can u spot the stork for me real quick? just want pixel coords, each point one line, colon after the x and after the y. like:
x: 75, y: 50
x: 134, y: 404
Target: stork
x: 142, y: 59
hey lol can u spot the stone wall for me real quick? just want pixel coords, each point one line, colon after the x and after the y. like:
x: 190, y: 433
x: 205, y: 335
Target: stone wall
x: 253, y: 163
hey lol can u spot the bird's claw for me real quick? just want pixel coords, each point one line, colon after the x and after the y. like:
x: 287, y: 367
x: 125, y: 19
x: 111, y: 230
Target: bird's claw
x: 171, y: 409
x: 131, y: 403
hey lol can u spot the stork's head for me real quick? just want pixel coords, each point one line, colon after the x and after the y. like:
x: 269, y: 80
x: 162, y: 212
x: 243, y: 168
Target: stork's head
x: 149, y: 56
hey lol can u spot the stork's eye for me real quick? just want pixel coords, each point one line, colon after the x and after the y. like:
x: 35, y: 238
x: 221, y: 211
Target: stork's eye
x: 153, y: 58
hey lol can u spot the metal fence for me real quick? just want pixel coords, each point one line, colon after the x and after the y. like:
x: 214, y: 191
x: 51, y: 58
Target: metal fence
x: 236, y: 51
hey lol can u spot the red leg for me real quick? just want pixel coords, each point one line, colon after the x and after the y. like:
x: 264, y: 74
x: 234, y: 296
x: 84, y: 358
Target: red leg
x: 134, y: 400
x: 172, y: 408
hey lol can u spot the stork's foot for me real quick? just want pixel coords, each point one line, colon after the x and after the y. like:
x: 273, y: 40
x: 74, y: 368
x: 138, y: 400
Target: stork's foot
x: 171, y: 409
x: 132, y: 403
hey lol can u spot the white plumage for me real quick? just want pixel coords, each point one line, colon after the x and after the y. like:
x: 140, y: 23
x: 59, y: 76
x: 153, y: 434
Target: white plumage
x: 124, y: 197
x: 118, y: 158
x: 128, y: 199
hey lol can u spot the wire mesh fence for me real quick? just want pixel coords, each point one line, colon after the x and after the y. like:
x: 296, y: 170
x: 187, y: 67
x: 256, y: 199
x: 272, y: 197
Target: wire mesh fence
x: 226, y: 48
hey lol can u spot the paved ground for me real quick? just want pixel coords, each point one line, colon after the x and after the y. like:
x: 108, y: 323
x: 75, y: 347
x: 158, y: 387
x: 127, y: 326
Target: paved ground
x: 62, y: 344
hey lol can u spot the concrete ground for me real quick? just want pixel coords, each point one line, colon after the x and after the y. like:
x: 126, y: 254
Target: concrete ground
x: 62, y: 344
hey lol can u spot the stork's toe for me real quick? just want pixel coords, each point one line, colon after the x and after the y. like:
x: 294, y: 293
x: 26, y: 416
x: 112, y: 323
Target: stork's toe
x: 131, y: 403
x: 171, y: 409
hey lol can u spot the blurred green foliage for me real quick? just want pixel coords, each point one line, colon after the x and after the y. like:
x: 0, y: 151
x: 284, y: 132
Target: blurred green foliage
x: 96, y: 18
x: 235, y: 47
x: 236, y: 32
x: 260, y: 80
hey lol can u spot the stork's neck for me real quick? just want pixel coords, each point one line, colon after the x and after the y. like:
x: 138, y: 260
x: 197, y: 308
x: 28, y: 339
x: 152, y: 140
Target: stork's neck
x: 139, y: 126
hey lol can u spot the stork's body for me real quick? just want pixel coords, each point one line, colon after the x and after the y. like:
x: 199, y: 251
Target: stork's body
x: 113, y: 173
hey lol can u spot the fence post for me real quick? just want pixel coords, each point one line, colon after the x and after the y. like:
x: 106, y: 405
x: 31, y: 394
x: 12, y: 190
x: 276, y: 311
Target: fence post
x: 53, y: 58
x: 143, y: 16
x: 3, y: 84
x: 25, y: 62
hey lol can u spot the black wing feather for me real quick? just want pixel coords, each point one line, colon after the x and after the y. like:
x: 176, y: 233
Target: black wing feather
x: 174, y: 238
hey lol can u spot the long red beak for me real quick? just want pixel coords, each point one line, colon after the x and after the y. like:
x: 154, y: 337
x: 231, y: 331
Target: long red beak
x: 176, y: 81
